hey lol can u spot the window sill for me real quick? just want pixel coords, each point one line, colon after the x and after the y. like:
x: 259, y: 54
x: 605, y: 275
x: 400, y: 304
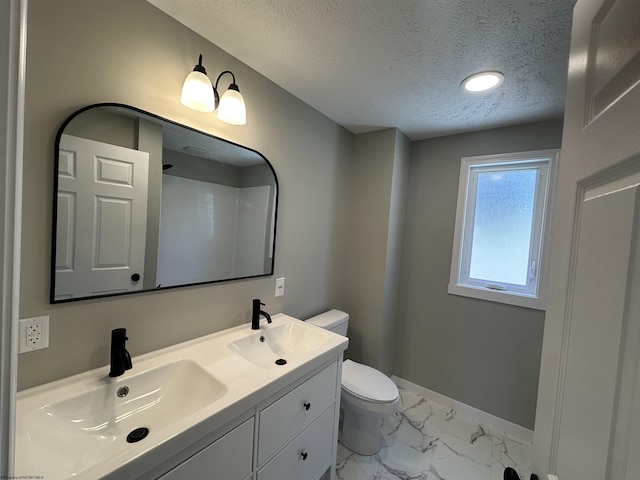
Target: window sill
x: 508, y: 298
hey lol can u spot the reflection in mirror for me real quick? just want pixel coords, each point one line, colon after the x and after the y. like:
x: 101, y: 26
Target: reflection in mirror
x: 143, y: 203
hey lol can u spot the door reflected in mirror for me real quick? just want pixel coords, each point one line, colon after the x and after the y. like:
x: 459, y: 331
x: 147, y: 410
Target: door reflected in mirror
x: 143, y: 203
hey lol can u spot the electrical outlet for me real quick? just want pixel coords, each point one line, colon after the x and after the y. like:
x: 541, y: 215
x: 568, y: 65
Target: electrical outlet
x: 279, y: 286
x: 34, y: 333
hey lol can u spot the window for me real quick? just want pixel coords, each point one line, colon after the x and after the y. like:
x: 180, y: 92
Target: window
x: 498, y: 248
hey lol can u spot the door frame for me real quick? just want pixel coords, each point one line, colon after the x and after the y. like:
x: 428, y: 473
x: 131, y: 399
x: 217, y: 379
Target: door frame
x: 13, y: 23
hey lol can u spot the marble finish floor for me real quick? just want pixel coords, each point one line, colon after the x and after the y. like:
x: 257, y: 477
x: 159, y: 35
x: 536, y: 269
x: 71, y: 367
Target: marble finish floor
x: 426, y: 441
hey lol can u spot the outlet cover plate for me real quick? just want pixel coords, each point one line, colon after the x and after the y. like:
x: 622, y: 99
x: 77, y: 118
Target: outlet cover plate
x: 34, y: 334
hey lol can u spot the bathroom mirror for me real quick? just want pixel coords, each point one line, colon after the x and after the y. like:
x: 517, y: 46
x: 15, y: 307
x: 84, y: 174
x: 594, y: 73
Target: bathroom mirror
x: 143, y: 203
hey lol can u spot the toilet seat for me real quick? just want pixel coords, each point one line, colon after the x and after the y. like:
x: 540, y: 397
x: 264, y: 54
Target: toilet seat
x: 367, y: 384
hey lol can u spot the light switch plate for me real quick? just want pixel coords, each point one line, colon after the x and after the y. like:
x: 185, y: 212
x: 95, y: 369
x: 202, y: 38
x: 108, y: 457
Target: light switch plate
x: 279, y: 286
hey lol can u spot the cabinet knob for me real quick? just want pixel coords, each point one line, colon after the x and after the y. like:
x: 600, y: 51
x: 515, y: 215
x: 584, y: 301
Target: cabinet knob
x: 307, y: 406
x: 304, y: 456
x: 135, y: 277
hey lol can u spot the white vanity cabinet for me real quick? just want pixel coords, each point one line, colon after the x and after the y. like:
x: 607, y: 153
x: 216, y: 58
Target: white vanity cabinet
x: 280, y: 421
x: 292, y: 435
x: 307, y: 456
x: 228, y: 458
x: 297, y: 433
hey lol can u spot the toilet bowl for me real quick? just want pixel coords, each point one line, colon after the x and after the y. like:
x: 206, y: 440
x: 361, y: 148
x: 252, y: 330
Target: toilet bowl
x: 367, y: 396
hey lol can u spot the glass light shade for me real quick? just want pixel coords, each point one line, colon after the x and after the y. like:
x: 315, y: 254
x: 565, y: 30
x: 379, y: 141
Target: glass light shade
x: 231, y: 109
x: 483, y: 81
x: 197, y: 93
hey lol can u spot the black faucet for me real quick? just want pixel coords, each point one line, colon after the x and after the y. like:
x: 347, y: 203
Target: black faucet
x: 120, y: 358
x: 255, y: 314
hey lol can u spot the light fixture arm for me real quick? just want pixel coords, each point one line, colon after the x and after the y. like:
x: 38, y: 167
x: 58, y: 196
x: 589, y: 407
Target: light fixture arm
x: 233, y: 86
x: 199, y: 67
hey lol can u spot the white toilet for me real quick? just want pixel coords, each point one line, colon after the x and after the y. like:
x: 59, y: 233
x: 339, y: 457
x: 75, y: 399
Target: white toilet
x: 367, y: 394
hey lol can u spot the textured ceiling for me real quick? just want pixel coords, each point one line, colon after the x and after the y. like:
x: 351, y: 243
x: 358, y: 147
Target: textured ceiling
x: 371, y: 64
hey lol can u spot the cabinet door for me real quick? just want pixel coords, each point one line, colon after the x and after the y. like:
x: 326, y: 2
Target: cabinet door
x: 307, y: 456
x: 285, y: 417
x: 227, y: 458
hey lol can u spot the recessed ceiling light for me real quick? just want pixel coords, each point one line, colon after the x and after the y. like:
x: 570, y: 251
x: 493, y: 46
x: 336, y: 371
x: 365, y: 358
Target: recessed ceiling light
x: 483, y: 81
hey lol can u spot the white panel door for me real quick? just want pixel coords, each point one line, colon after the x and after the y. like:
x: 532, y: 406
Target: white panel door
x: 588, y: 412
x: 102, y: 218
x: 600, y: 390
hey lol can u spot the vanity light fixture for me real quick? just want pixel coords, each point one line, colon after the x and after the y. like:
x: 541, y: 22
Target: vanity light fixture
x: 198, y: 94
x: 197, y: 91
x: 482, y: 81
x: 231, y: 108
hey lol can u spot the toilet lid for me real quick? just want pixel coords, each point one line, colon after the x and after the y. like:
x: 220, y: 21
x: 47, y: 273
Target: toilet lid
x: 367, y: 382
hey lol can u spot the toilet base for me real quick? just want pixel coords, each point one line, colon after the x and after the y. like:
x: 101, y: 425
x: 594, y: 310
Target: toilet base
x: 360, y: 433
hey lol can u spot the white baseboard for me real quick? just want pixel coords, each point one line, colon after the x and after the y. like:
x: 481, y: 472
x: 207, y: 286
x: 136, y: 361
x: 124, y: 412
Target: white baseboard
x: 513, y: 429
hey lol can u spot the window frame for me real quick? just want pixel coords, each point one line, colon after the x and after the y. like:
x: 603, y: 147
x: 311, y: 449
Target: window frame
x: 534, y: 294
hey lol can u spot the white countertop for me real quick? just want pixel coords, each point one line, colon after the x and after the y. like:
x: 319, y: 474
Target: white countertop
x: 246, y: 385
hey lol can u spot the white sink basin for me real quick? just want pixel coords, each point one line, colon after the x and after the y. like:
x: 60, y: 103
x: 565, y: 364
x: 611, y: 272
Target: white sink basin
x: 84, y: 429
x: 275, y: 345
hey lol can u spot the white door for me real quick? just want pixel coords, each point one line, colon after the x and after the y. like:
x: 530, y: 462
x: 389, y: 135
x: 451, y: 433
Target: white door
x: 101, y: 218
x: 588, y: 414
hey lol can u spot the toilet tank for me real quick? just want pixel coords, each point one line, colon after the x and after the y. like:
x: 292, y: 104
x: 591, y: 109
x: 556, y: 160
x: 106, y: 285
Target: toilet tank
x: 334, y: 320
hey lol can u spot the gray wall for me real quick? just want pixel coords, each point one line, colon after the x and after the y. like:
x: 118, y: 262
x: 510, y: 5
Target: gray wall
x: 376, y: 226
x: 340, y: 230
x: 127, y: 51
x: 484, y: 354
x: 395, y: 243
x: 149, y: 139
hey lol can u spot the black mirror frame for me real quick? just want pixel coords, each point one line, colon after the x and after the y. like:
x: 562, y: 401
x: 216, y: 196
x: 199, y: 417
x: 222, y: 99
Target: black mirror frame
x: 139, y: 111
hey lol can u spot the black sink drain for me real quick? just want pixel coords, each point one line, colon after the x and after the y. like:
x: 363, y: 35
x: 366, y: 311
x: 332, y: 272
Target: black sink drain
x: 281, y: 361
x: 137, y: 435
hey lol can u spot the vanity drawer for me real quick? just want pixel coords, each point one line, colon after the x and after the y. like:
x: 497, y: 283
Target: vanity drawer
x: 281, y: 420
x: 227, y: 458
x: 307, y: 456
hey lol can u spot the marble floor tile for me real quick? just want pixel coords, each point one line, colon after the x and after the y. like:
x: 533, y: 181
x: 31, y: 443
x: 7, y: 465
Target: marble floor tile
x: 426, y: 441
